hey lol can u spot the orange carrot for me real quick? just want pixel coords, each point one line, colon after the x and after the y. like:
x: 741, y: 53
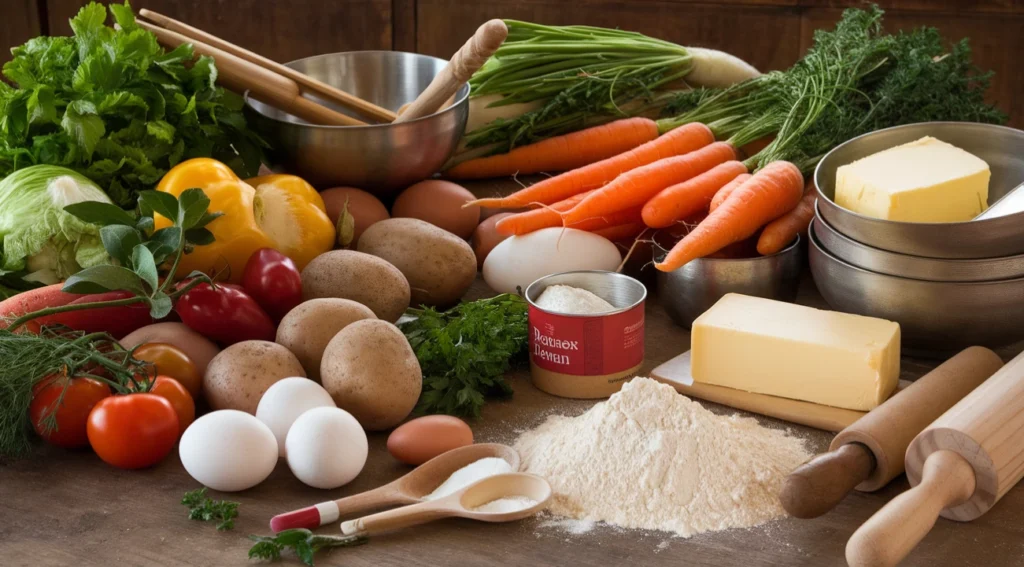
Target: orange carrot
x: 726, y: 190
x: 636, y: 187
x: 621, y: 232
x: 682, y: 140
x: 544, y: 217
x: 613, y: 218
x: 562, y: 153
x: 766, y: 196
x: 781, y: 231
x: 691, y: 196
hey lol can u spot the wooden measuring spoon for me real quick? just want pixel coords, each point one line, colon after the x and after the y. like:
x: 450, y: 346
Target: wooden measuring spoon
x: 409, y: 489
x: 461, y: 504
x: 466, y: 61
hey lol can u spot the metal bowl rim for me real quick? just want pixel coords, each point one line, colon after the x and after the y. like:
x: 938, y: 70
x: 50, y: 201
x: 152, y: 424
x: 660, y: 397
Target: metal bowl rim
x: 817, y: 245
x: 787, y: 250
x: 631, y: 279
x: 819, y: 174
x: 451, y: 108
x: 871, y: 249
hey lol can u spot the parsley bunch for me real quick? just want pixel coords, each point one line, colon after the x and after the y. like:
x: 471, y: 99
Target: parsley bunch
x: 113, y: 105
x: 302, y: 542
x: 206, y: 509
x: 464, y: 352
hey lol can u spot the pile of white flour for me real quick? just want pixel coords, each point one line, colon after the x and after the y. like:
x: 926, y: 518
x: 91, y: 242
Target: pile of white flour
x: 650, y: 458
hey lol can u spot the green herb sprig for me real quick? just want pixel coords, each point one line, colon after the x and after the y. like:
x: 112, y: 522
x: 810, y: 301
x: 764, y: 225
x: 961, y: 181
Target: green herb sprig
x: 304, y: 543
x: 464, y: 352
x: 206, y: 509
x: 139, y: 249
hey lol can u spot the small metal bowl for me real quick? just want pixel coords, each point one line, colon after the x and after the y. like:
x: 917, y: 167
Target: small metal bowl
x: 1002, y: 148
x: 914, y: 267
x: 936, y: 318
x: 379, y: 158
x: 691, y: 290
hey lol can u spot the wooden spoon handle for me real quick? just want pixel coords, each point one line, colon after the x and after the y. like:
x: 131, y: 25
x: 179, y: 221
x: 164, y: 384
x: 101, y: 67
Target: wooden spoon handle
x: 818, y: 485
x: 396, y: 519
x: 267, y: 86
x: 466, y: 61
x: 319, y: 87
x: 887, y: 537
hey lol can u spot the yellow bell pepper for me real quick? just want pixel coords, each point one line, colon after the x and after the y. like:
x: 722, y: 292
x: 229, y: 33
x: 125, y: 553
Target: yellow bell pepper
x: 272, y: 211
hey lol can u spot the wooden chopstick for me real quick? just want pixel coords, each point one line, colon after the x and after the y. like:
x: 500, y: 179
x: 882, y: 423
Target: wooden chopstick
x: 263, y: 84
x: 310, y: 84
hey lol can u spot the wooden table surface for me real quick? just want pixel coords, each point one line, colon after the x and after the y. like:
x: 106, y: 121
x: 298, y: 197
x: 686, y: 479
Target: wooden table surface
x: 64, y: 508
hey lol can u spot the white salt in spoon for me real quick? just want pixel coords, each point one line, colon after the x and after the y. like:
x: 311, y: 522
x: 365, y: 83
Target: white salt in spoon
x: 461, y: 504
x: 409, y: 489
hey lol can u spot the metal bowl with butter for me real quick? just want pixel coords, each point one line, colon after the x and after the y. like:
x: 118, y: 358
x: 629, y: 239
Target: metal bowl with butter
x: 1000, y: 147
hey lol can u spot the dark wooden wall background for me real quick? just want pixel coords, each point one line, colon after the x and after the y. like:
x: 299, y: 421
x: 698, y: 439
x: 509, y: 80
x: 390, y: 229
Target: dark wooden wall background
x: 770, y: 34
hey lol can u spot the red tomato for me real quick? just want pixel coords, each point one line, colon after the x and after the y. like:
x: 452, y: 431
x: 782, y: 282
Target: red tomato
x: 227, y: 314
x: 272, y: 279
x: 133, y: 431
x: 174, y: 392
x: 80, y: 396
x: 170, y: 361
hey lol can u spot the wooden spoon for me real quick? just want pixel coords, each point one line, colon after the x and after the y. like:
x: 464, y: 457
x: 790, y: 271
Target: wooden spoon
x: 461, y: 504
x: 409, y: 489
x: 466, y: 61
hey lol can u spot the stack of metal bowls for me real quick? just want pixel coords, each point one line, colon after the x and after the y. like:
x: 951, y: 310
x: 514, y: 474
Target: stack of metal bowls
x: 948, y: 285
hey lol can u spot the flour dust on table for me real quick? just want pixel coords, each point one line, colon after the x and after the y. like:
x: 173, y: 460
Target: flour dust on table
x: 649, y: 458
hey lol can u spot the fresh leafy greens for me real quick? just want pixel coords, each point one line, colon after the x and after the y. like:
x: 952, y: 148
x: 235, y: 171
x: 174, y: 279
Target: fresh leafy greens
x: 854, y: 79
x: 303, y: 542
x: 464, y: 352
x: 206, y: 509
x: 114, y: 106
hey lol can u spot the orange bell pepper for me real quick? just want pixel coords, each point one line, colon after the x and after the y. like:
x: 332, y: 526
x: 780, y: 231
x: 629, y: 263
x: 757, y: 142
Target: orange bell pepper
x: 271, y: 211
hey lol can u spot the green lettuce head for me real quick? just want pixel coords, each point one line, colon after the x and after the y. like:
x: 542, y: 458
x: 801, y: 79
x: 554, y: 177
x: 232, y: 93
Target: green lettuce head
x: 39, y: 238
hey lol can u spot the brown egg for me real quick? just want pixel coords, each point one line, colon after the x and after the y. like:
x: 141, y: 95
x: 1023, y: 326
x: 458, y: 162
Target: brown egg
x: 417, y: 441
x: 364, y: 208
x: 485, y: 238
x: 439, y: 203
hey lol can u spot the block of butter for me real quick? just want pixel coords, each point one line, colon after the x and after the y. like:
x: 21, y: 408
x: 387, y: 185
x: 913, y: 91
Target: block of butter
x: 923, y: 181
x: 792, y: 351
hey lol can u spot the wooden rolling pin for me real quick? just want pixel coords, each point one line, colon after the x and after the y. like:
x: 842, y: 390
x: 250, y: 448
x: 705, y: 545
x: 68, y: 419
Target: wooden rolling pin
x: 869, y: 453
x: 264, y: 85
x: 466, y: 61
x: 959, y: 467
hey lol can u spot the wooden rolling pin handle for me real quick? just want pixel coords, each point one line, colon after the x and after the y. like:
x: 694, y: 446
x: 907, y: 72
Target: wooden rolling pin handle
x: 466, y: 61
x: 818, y: 485
x: 947, y: 479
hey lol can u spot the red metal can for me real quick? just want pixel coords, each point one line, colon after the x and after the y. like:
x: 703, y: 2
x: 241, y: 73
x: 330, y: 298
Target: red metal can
x: 587, y: 355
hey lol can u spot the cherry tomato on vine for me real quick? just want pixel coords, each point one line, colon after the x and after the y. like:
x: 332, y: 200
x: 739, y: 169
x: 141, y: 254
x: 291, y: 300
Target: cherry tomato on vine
x: 272, y: 279
x: 134, y: 430
x: 72, y: 412
x: 171, y: 361
x: 226, y: 314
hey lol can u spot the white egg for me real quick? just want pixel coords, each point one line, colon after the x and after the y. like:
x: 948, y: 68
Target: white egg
x: 521, y: 260
x: 285, y: 401
x: 228, y: 450
x: 326, y: 447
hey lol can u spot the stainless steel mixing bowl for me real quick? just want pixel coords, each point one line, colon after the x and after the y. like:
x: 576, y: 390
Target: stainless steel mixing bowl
x: 1002, y: 148
x: 936, y: 318
x: 915, y: 267
x: 379, y: 158
x: 691, y: 290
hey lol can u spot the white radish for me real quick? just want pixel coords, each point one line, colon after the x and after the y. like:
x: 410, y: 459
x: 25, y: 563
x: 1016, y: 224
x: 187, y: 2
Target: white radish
x: 716, y: 69
x: 480, y: 114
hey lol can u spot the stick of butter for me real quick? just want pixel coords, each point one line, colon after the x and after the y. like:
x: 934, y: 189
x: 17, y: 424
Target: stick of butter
x: 792, y: 351
x: 923, y: 181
